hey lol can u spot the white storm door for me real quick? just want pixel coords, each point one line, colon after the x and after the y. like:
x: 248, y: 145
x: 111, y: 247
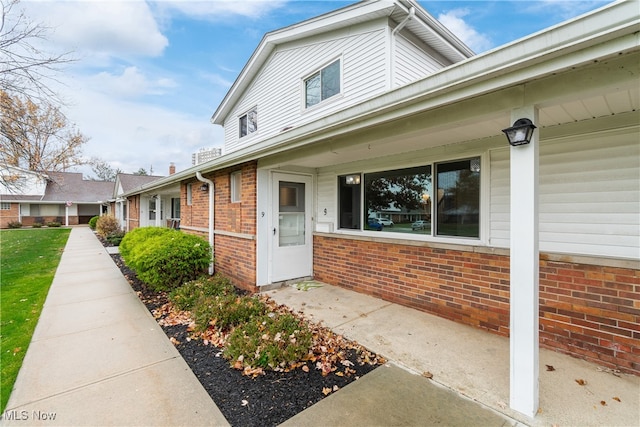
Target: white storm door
x: 291, y: 227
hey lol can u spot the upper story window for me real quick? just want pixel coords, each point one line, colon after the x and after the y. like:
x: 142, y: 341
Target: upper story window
x: 236, y: 186
x: 322, y: 85
x: 249, y: 122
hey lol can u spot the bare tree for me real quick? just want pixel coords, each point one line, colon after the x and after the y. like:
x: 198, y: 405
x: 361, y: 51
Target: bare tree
x: 38, y: 137
x: 25, y: 69
x: 103, y: 170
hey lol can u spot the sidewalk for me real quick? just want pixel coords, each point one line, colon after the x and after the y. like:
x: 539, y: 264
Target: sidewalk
x: 463, y: 360
x: 98, y: 358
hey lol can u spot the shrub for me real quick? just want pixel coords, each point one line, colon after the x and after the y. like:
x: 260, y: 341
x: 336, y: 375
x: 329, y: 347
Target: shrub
x: 115, y: 238
x: 14, y: 224
x: 37, y: 225
x: 133, y: 242
x: 168, y: 260
x: 276, y: 341
x: 53, y: 224
x: 226, y: 311
x: 107, y: 224
x: 93, y: 221
x: 186, y: 296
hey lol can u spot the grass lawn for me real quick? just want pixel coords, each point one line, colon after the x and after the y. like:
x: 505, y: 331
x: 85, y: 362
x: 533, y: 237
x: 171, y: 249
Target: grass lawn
x: 28, y: 261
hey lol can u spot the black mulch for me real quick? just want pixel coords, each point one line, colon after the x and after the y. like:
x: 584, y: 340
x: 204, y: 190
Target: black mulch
x: 266, y: 400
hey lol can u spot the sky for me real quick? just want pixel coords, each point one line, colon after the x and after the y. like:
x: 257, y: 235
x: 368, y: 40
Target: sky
x: 147, y: 76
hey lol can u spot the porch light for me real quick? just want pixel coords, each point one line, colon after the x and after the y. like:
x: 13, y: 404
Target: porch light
x: 520, y: 133
x: 204, y: 187
x: 352, y: 179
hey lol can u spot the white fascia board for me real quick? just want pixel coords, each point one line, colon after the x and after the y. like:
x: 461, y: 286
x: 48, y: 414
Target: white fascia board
x: 330, y: 21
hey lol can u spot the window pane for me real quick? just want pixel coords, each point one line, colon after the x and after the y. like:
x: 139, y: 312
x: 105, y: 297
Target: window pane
x: 331, y: 80
x: 252, y: 121
x: 349, y: 202
x: 312, y: 90
x: 399, y: 200
x: 243, y: 126
x: 458, y: 212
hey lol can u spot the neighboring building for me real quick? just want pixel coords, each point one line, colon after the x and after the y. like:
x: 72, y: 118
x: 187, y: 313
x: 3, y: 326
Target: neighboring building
x: 205, y: 155
x: 377, y: 105
x: 130, y: 213
x: 64, y: 197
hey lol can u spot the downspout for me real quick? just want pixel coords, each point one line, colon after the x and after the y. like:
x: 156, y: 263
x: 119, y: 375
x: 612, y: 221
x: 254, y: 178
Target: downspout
x: 392, y: 54
x: 412, y: 13
x: 211, y: 215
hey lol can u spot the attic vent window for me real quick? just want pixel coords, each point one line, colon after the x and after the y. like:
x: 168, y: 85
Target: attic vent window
x: 249, y: 122
x: 323, y: 84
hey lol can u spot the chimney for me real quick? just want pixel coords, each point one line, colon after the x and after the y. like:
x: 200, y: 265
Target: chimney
x: 172, y: 168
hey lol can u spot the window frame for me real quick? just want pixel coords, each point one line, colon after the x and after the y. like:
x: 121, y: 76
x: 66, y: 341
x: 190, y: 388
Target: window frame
x: 318, y: 72
x: 235, y: 187
x: 251, y: 111
x: 433, y: 235
x: 5, y: 206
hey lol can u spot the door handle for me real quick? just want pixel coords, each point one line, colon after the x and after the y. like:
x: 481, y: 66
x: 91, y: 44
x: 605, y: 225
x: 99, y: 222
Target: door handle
x: 274, y: 231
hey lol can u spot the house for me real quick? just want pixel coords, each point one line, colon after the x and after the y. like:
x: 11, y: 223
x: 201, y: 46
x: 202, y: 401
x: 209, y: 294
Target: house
x: 377, y: 105
x: 143, y: 210
x: 63, y: 197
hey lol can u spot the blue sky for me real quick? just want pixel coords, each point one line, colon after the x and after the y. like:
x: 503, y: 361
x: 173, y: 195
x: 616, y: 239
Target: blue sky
x: 148, y: 75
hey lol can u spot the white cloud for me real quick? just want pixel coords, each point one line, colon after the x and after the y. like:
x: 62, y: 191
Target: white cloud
x: 101, y: 27
x: 454, y: 21
x: 130, y: 83
x: 220, y: 9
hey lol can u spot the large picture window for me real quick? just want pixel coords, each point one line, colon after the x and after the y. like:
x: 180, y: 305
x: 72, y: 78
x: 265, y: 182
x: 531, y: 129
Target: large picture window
x: 249, y: 122
x: 323, y: 84
x: 404, y: 200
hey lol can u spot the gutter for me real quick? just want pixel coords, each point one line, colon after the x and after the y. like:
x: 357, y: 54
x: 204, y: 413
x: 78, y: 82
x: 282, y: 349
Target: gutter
x: 412, y: 13
x: 211, y: 216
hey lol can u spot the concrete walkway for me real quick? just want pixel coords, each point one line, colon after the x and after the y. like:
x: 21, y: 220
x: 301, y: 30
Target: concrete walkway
x: 464, y: 361
x: 98, y: 358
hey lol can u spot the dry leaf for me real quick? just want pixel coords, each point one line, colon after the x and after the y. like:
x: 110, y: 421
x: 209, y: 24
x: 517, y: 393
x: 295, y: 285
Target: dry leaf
x: 305, y: 368
x: 581, y: 382
x: 603, y: 403
x: 336, y: 388
x: 326, y: 391
x: 617, y: 399
x: 427, y: 374
x: 550, y: 368
x: 174, y: 341
x: 245, y: 402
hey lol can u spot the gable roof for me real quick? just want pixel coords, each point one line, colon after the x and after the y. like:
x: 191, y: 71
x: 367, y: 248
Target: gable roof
x: 407, y: 12
x: 127, y: 182
x: 69, y: 186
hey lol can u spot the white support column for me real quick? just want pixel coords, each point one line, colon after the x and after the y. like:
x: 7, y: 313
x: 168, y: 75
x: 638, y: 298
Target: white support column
x: 525, y: 271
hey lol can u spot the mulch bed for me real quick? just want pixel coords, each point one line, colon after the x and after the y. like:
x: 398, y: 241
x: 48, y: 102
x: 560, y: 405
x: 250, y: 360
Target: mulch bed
x: 264, y: 400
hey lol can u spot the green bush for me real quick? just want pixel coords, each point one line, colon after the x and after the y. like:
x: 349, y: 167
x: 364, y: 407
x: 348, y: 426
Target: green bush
x: 186, y: 296
x: 133, y: 242
x: 37, y: 225
x: 170, y: 259
x: 107, y: 224
x: 115, y: 238
x: 93, y: 221
x: 276, y: 341
x: 226, y: 311
x: 14, y: 224
x: 53, y: 224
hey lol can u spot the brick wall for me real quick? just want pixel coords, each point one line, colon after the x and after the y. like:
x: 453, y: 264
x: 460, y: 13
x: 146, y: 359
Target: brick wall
x: 133, y: 212
x: 592, y: 312
x: 235, y: 223
x: 9, y: 215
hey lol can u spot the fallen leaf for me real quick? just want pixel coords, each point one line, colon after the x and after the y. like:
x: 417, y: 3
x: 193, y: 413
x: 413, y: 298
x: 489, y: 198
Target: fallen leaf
x: 550, y: 368
x: 245, y: 402
x: 16, y: 350
x: 340, y: 374
x: 603, y: 403
x: 427, y: 374
x: 305, y: 368
x: 174, y: 341
x: 336, y: 388
x: 502, y: 405
x: 326, y: 391
x: 617, y: 399
x: 581, y: 382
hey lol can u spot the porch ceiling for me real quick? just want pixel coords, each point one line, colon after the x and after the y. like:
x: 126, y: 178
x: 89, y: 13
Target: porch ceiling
x: 417, y: 133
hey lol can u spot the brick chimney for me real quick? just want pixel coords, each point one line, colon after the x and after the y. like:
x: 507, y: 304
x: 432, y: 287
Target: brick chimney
x: 172, y: 168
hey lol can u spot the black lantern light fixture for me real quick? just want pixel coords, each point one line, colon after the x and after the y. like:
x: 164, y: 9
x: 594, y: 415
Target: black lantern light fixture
x: 204, y: 187
x: 520, y: 133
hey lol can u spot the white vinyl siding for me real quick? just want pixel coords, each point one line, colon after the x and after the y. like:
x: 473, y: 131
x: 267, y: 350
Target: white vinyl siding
x: 279, y: 87
x: 589, y: 196
x: 411, y: 63
x: 327, y: 198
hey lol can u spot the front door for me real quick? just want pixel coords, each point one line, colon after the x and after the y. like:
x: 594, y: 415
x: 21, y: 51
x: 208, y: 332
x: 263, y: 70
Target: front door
x: 291, y: 227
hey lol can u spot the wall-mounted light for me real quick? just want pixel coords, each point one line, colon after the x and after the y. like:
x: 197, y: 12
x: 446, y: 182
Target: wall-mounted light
x: 520, y: 133
x: 204, y: 187
x: 352, y: 179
